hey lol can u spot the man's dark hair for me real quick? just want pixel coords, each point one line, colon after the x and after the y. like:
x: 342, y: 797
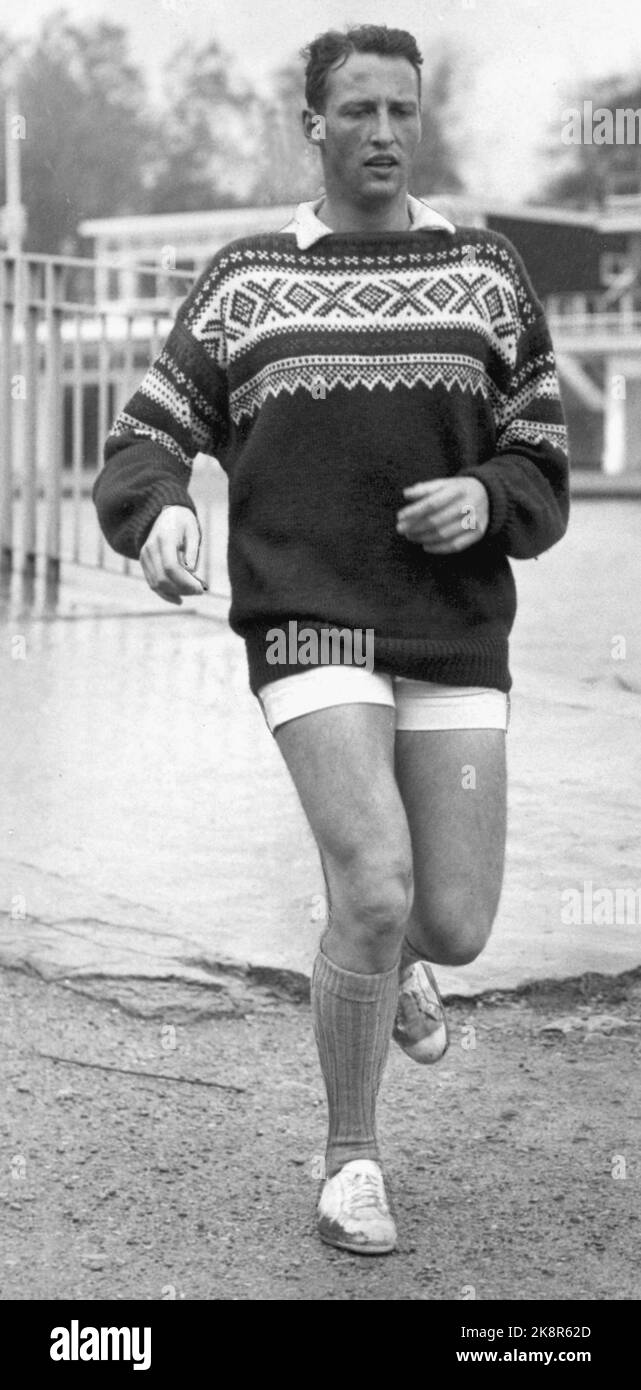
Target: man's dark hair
x: 326, y: 51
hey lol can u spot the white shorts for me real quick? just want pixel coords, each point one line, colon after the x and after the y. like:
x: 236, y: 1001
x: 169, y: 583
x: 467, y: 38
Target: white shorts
x: 418, y: 704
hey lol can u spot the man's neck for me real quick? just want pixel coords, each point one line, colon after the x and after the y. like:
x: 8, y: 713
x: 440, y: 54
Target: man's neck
x: 345, y: 217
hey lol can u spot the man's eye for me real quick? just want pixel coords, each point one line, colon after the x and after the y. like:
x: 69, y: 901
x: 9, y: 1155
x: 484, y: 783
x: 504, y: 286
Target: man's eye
x: 396, y: 111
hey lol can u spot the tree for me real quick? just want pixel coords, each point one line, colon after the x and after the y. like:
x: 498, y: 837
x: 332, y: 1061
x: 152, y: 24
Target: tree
x: 585, y: 173
x: 206, y: 147
x: 435, y: 166
x: 87, y: 136
x: 94, y: 148
x: 287, y: 167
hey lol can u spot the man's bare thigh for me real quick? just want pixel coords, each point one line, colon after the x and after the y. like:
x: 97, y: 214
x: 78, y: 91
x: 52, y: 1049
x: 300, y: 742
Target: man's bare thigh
x: 454, y: 788
x: 342, y: 763
x: 341, y: 760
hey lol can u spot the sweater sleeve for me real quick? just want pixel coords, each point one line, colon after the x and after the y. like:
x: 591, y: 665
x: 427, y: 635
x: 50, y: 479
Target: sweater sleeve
x: 179, y: 410
x: 527, y: 477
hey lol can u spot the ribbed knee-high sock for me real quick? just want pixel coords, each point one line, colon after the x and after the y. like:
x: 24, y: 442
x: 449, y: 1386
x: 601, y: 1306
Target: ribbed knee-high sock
x: 353, y: 1016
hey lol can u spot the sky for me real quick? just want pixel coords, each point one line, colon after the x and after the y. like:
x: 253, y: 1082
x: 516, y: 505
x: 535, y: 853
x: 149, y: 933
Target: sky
x: 522, y: 59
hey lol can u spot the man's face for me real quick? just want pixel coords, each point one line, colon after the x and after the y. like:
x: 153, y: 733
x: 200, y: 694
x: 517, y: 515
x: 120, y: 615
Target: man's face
x: 372, y: 128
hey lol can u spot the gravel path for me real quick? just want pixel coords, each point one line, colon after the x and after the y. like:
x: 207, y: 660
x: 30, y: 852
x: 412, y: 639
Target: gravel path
x: 174, y: 1155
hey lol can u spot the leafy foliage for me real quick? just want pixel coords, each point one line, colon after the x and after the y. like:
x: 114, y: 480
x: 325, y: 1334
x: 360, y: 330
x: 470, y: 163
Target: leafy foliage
x: 95, y: 147
x: 583, y: 175
x: 86, y: 131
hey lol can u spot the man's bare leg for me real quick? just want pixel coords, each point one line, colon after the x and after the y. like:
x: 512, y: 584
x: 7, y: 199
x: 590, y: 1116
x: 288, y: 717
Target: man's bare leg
x: 454, y: 790
x: 453, y: 786
x: 342, y: 762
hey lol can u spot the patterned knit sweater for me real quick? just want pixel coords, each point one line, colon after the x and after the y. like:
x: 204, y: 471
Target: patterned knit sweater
x: 325, y: 378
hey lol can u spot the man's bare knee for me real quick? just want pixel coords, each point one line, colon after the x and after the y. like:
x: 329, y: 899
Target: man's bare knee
x: 375, y: 900
x: 384, y: 909
x: 455, y: 932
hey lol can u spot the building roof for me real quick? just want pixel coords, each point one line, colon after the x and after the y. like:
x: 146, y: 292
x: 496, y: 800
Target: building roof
x: 226, y: 223
x: 139, y: 226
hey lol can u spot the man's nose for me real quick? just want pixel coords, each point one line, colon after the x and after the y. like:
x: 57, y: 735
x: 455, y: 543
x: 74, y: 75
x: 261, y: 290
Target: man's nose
x: 383, y: 133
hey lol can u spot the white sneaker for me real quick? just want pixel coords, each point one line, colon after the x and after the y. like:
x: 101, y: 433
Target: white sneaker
x: 420, y: 1027
x: 353, y: 1213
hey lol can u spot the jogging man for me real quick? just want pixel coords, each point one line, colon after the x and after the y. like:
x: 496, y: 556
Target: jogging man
x: 380, y: 388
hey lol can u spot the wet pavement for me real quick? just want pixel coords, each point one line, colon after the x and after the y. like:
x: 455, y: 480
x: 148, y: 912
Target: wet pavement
x: 149, y: 827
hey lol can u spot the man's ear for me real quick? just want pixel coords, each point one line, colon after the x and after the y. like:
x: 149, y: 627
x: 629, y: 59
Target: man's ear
x: 313, y: 126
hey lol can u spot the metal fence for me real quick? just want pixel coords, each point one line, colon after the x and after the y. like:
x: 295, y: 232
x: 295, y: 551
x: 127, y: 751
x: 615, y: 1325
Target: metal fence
x: 588, y: 322
x: 70, y: 358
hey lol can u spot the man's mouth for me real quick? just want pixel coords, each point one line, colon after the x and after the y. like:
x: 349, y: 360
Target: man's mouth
x: 382, y: 161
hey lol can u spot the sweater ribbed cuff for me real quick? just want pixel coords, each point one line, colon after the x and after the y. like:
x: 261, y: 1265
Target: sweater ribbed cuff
x: 135, y: 484
x: 486, y: 474
x: 527, y: 515
x: 165, y: 494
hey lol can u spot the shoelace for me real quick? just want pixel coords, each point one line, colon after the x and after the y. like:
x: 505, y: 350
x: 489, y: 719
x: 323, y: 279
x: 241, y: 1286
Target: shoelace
x: 366, y: 1192
x: 428, y: 1009
x: 424, y: 1003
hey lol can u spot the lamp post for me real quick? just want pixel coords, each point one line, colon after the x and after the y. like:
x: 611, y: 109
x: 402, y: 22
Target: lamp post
x: 14, y: 220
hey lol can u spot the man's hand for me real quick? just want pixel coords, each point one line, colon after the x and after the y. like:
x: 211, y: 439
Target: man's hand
x: 170, y: 554
x: 445, y: 515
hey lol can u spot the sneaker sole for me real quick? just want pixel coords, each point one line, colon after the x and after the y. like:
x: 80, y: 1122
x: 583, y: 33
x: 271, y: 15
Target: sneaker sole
x: 407, y: 1048
x: 356, y: 1249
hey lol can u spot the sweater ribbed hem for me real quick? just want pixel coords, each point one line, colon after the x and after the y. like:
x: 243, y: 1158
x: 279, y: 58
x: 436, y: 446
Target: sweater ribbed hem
x: 467, y: 661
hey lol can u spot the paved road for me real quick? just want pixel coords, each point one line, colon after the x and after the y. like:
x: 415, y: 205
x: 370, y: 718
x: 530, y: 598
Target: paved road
x: 148, y: 826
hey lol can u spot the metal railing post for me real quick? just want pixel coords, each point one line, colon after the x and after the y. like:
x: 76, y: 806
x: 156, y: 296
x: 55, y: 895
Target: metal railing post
x: 127, y: 386
x: 30, y: 437
x: 53, y: 421
x: 103, y: 409
x: 7, y: 310
x: 77, y: 438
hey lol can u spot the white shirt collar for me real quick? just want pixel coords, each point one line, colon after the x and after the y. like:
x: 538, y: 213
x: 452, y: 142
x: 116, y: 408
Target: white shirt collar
x: 309, y: 228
